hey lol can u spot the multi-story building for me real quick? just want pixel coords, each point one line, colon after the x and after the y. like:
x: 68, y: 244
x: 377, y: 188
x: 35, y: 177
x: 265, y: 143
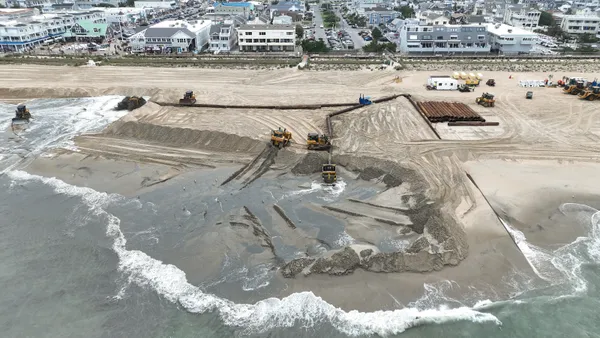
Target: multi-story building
x: 232, y: 8
x: 440, y: 39
x: 522, y: 17
x: 17, y: 13
x: 222, y: 38
x: 580, y: 24
x: 378, y: 15
x: 510, y: 40
x: 267, y: 38
x: 24, y: 33
x: 168, y: 4
x: 172, y: 36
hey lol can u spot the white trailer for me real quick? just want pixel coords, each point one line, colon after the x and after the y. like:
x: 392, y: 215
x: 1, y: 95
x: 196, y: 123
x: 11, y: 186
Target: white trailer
x: 442, y: 82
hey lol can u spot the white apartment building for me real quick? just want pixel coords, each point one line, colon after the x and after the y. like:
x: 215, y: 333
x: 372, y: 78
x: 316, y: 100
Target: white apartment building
x: 580, y: 24
x: 222, y: 38
x: 19, y: 35
x: 508, y: 40
x: 156, y: 4
x: 443, y: 38
x: 267, y: 38
x: 172, y: 36
x: 521, y: 17
x: 125, y: 14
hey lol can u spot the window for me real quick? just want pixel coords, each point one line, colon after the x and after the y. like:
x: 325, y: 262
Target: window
x: 480, y: 37
x: 262, y: 33
x: 427, y: 37
x: 453, y: 37
x: 440, y: 38
x: 248, y: 33
x: 289, y: 33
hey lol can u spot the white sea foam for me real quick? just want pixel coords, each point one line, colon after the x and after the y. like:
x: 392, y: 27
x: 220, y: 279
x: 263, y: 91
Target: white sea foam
x: 302, y: 308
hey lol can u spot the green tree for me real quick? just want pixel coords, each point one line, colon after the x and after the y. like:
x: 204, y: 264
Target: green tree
x: 130, y: 3
x: 376, y: 34
x: 406, y: 11
x: 16, y: 5
x: 374, y: 47
x: 299, y: 32
x: 309, y: 46
x: 587, y: 38
x: 546, y: 19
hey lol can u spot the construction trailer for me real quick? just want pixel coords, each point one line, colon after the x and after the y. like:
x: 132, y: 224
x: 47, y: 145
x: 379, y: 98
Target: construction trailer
x: 442, y: 82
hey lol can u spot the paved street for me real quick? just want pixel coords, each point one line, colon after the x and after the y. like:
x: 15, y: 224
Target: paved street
x: 358, y: 41
x: 318, y: 21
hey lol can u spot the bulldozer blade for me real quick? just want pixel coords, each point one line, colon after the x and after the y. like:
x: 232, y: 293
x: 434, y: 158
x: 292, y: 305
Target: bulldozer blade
x: 18, y: 121
x: 186, y: 101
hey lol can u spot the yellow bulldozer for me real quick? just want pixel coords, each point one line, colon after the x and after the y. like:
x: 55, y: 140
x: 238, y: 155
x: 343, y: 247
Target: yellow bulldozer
x: 316, y: 141
x: 574, y: 87
x: 281, y: 137
x: 593, y: 93
x: 329, y: 174
x: 472, y: 82
x: 486, y: 100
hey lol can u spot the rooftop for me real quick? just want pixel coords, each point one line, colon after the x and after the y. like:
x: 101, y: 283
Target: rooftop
x: 192, y: 26
x: 235, y: 4
x: 502, y: 29
x: 266, y: 27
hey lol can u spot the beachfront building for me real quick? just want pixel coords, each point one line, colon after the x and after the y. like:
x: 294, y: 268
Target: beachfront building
x: 232, y: 8
x: 25, y: 33
x: 89, y: 31
x: 508, y: 40
x: 443, y: 39
x: 376, y: 16
x: 580, y: 24
x: 168, y: 4
x: 522, y: 17
x: 267, y: 38
x: 222, y: 38
x: 172, y: 36
x: 124, y: 15
x: 7, y: 14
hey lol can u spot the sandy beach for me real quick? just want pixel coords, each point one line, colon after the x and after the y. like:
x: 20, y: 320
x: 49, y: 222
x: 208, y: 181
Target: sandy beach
x: 543, y: 154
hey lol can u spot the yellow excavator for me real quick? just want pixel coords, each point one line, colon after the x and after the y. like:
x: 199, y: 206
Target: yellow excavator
x: 574, y: 87
x: 316, y: 141
x: 329, y: 174
x: 486, y: 100
x: 281, y: 137
x: 593, y: 93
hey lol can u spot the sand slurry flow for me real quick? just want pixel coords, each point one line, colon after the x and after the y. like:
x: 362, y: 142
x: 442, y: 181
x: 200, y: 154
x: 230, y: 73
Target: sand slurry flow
x: 445, y: 227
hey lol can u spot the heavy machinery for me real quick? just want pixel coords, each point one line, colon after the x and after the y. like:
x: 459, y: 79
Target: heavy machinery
x: 188, y: 98
x: 529, y: 95
x: 131, y: 102
x: 364, y: 100
x: 316, y: 141
x: 486, y: 100
x: 593, y: 93
x: 491, y: 82
x: 281, y: 137
x: 22, y: 115
x: 574, y: 87
x: 472, y: 82
x: 329, y: 174
x: 463, y: 88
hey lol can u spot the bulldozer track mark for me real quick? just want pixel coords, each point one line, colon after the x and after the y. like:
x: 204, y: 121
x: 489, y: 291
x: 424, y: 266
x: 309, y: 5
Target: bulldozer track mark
x: 281, y: 213
x: 247, y: 167
x: 264, y: 166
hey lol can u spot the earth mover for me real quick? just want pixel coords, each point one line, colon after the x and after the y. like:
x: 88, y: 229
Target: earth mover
x: 472, y: 82
x: 316, y: 141
x: 463, y: 88
x: 486, y: 100
x: 591, y: 94
x: 529, y: 95
x: 22, y: 115
x: 280, y: 137
x: 328, y: 173
x: 574, y: 87
x: 131, y: 102
x: 188, y: 98
x: 491, y: 82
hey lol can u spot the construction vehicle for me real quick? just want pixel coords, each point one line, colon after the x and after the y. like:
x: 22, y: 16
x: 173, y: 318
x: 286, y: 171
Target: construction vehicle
x: 491, y: 82
x: 315, y: 141
x: 591, y: 94
x: 472, y: 82
x: 463, y: 88
x: 486, y: 100
x: 574, y: 87
x: 22, y: 115
x: 364, y: 100
x: 131, y: 102
x: 529, y: 95
x: 188, y: 98
x: 328, y: 174
x: 280, y: 137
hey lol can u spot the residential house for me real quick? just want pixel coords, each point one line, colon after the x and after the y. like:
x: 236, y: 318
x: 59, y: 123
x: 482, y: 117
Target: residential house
x: 222, y: 38
x: 233, y: 8
x: 172, y: 36
x: 88, y: 30
x: 267, y: 38
x: 580, y: 24
x: 283, y: 20
x: 444, y: 38
x: 522, y: 17
x: 378, y: 15
x: 432, y: 18
x: 508, y: 40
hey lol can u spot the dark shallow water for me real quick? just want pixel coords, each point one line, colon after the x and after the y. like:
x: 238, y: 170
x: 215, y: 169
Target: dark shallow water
x: 66, y: 270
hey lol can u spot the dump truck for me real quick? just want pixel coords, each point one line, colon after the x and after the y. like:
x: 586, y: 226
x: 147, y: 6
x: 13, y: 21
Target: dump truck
x: 316, y: 141
x: 22, y: 115
x: 131, y: 102
x: 188, y: 98
x: 592, y: 94
x: 486, y: 100
x: 328, y: 173
x: 281, y: 137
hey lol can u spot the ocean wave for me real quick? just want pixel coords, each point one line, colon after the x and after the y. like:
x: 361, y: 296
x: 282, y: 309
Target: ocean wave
x: 303, y: 308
